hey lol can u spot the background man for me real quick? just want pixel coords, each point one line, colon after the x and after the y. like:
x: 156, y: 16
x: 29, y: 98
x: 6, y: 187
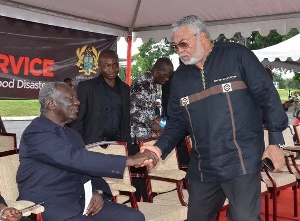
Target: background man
x: 143, y: 93
x: 104, y: 104
x: 217, y: 95
x: 54, y: 164
x: 69, y: 82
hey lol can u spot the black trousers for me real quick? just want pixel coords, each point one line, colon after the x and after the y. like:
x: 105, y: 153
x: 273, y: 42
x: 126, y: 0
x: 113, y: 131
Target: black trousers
x: 243, y: 193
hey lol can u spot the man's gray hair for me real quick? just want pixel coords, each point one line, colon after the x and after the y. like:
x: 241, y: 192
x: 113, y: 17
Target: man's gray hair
x: 193, y: 21
x: 49, y: 91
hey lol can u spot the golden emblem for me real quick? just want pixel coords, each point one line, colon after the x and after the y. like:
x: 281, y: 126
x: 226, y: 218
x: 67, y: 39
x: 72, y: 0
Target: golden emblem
x: 88, y: 57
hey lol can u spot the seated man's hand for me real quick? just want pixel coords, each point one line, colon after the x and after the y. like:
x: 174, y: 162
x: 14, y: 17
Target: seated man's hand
x: 11, y: 214
x: 147, y: 158
x: 96, y: 204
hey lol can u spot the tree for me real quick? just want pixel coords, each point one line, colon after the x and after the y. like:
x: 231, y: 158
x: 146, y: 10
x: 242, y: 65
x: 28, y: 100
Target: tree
x: 278, y: 78
x: 256, y: 41
x: 149, y: 52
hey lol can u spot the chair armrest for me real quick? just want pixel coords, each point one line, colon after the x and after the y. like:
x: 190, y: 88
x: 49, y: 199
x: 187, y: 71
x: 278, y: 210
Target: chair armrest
x: 175, y: 175
x: 21, y: 204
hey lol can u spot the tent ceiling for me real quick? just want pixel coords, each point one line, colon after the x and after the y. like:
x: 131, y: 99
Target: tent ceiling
x: 154, y: 17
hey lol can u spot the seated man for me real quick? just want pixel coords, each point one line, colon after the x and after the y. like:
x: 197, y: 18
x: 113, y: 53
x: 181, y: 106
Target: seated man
x: 54, y: 164
x: 8, y: 213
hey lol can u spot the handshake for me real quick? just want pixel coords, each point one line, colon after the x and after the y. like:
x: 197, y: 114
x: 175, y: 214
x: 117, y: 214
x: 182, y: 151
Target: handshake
x: 148, y: 156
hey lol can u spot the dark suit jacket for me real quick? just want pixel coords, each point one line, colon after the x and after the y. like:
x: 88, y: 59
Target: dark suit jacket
x: 54, y: 164
x: 91, y: 113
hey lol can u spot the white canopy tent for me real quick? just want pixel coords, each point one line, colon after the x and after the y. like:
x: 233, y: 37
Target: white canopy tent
x: 152, y: 18
x: 283, y: 55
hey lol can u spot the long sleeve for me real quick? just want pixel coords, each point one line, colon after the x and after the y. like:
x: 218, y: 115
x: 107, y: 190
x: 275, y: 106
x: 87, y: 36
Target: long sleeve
x: 265, y: 96
x: 175, y: 127
x: 65, y: 150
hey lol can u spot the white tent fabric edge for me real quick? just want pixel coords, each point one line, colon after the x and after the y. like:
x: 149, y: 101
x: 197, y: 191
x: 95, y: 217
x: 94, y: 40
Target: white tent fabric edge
x: 246, y: 27
x: 284, y: 50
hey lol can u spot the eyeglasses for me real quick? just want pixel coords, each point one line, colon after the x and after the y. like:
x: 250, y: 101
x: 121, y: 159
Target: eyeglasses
x: 182, y: 44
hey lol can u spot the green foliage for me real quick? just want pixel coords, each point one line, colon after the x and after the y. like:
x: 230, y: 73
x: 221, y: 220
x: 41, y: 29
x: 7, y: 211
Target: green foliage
x: 278, y: 78
x: 284, y: 94
x: 257, y: 41
x: 149, y: 52
x: 19, y: 108
x: 293, y: 82
x: 297, y: 77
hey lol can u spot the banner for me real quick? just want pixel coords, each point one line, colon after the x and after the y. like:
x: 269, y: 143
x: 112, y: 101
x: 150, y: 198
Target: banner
x: 32, y: 54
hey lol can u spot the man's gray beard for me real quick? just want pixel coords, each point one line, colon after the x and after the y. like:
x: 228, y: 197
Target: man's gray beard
x: 192, y: 61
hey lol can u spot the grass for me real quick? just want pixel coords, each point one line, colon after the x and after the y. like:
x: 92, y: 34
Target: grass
x: 10, y: 108
x: 284, y: 94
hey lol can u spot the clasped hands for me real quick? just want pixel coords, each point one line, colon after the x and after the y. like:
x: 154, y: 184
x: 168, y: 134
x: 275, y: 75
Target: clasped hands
x: 11, y: 214
x: 148, y: 156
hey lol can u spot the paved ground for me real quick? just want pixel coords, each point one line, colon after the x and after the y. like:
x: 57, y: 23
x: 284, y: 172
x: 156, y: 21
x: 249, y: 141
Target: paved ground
x: 18, y: 124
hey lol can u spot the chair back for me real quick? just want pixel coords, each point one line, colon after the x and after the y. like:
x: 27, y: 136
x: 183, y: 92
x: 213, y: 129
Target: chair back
x: 8, y: 172
x: 8, y: 141
x: 297, y: 132
x: 166, y: 166
x: 170, y: 163
x: 288, y: 136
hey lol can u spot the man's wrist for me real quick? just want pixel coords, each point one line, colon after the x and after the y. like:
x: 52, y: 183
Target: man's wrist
x: 129, y: 161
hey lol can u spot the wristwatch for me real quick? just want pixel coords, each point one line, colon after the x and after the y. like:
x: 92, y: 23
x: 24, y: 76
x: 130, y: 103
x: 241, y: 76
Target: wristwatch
x: 281, y: 146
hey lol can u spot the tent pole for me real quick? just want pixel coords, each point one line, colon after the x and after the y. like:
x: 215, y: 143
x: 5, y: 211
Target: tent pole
x: 128, y: 67
x: 129, y: 43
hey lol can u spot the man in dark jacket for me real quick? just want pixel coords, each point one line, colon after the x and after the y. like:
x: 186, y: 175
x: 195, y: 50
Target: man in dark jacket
x: 54, y: 164
x: 218, y: 95
x: 104, y: 112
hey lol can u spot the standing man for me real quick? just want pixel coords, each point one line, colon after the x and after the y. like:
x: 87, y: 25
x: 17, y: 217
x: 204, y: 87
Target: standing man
x: 54, y: 164
x: 143, y: 93
x: 69, y: 82
x: 104, y: 104
x: 218, y: 95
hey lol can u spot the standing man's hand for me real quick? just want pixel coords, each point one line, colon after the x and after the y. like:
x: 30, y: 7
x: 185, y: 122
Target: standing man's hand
x: 276, y: 155
x: 147, y: 158
x: 95, y: 205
